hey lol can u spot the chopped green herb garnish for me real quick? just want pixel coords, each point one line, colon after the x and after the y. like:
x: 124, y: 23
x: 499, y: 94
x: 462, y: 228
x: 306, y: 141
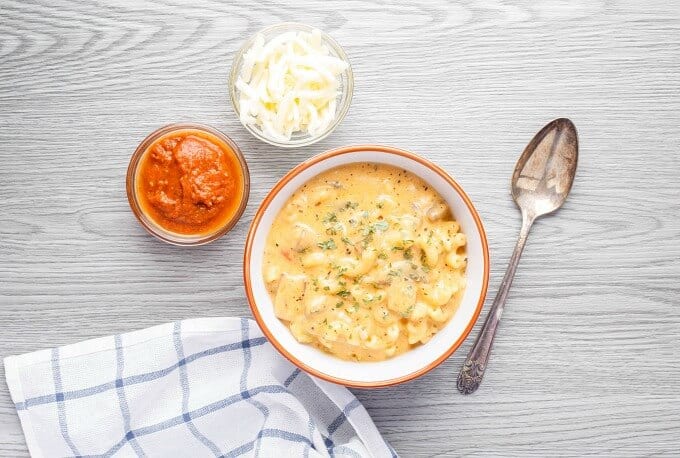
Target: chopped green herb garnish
x: 343, y: 293
x: 330, y: 218
x: 341, y: 271
x: 327, y: 245
x: 408, y: 254
x: 407, y: 312
x: 353, y: 309
x: 368, y: 235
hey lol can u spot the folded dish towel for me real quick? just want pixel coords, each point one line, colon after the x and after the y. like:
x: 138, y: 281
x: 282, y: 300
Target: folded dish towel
x: 201, y: 387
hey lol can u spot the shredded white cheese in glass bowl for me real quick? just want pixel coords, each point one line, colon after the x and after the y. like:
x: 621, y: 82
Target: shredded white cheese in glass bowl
x: 291, y: 85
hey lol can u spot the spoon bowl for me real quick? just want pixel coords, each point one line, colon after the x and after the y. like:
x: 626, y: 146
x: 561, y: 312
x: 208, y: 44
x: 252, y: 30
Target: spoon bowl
x: 545, y: 171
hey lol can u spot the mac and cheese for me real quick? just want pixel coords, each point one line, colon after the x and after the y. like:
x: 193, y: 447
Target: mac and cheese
x: 365, y: 261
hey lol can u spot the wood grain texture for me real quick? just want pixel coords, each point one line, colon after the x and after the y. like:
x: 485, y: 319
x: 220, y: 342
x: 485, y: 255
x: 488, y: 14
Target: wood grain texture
x: 586, y: 360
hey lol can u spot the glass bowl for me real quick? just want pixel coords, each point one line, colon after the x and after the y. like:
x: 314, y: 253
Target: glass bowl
x: 346, y: 88
x: 154, y: 228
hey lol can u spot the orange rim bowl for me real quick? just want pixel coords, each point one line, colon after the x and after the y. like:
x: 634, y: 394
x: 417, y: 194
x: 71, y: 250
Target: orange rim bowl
x: 253, y: 231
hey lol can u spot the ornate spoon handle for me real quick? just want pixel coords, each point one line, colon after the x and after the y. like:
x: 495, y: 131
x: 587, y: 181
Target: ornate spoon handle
x: 473, y: 369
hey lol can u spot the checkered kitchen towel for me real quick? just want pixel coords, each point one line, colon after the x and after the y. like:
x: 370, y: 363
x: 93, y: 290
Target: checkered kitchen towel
x: 202, y: 387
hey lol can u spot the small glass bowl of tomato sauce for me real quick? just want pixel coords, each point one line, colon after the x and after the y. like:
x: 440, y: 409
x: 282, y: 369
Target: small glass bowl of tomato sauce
x: 187, y: 184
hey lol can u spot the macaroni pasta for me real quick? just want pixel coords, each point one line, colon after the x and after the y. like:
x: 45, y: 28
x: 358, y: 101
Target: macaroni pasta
x: 365, y: 261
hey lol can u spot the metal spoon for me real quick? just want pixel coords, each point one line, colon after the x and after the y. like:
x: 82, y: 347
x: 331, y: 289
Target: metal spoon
x: 540, y: 185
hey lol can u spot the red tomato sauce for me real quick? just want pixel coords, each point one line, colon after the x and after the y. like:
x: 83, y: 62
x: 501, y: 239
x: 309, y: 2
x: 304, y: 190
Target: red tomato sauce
x: 190, y: 182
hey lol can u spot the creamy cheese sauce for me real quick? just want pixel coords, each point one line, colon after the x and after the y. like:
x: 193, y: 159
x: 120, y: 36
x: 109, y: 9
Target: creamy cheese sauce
x: 365, y: 261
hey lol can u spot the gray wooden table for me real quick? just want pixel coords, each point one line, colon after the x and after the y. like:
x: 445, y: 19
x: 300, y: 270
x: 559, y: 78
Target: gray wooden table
x: 586, y: 361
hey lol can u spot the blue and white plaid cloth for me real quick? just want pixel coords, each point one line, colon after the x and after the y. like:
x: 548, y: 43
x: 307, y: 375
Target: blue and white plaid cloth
x: 202, y: 387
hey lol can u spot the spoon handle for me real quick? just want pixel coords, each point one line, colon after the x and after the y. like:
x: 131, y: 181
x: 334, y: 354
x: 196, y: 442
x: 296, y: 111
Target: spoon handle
x: 473, y: 369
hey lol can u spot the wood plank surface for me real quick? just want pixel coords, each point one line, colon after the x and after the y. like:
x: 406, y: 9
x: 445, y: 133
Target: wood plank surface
x: 586, y: 360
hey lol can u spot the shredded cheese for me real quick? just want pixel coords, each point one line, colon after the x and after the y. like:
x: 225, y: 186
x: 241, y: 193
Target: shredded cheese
x: 289, y: 84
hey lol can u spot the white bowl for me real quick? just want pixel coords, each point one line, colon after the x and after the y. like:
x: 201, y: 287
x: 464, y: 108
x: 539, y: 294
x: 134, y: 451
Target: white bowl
x: 412, y: 363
